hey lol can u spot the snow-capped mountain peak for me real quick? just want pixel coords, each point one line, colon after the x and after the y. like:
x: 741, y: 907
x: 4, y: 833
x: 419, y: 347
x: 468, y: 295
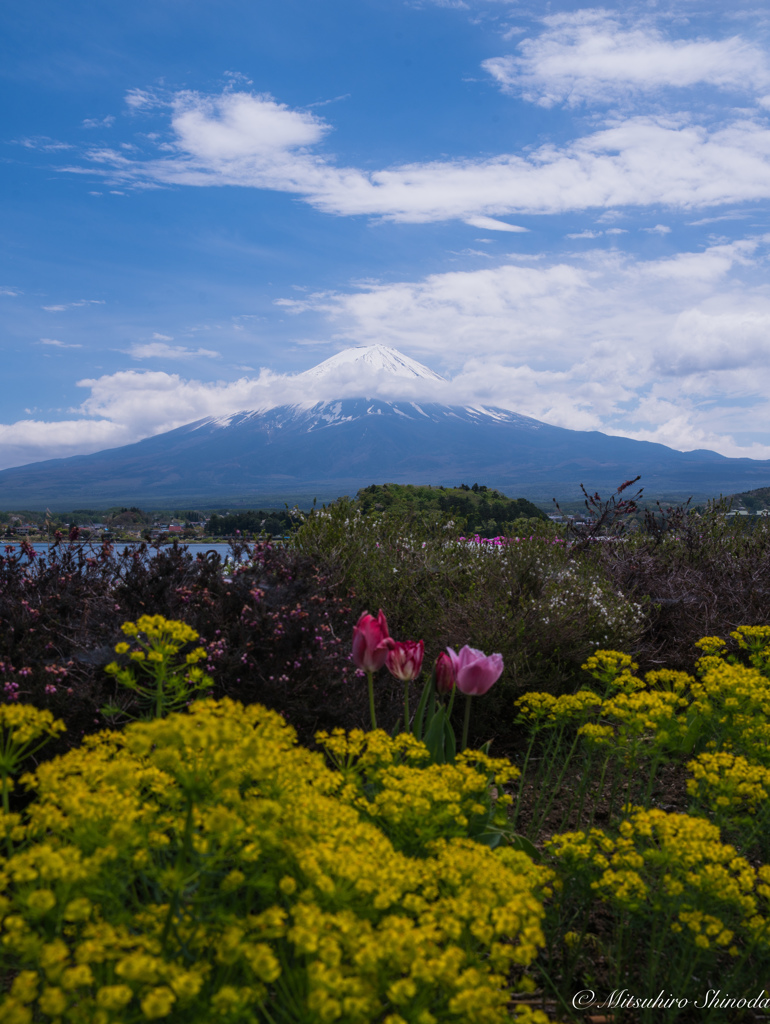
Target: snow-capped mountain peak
x: 370, y: 359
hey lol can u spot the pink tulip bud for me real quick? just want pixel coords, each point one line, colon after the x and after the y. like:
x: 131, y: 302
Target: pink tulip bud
x: 369, y: 647
x: 445, y: 673
x: 475, y: 672
x: 404, y: 660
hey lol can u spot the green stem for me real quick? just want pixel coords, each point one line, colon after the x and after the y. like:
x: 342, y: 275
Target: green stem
x: 451, y: 703
x: 651, y: 781
x: 466, y: 721
x: 555, y: 789
x: 7, y: 809
x: 586, y: 775
x: 372, y: 715
x: 517, y: 808
x: 159, y: 692
x: 600, y: 790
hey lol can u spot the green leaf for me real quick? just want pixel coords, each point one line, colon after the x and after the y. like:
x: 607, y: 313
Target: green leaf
x: 435, y: 738
x: 519, y: 842
x: 490, y: 839
x: 419, y: 717
x: 450, y: 743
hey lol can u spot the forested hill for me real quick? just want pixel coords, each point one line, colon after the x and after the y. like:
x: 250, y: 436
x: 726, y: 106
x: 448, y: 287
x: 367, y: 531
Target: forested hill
x: 752, y: 501
x: 483, y: 511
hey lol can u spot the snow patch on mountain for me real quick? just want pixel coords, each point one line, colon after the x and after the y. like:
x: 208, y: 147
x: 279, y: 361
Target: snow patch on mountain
x: 378, y: 359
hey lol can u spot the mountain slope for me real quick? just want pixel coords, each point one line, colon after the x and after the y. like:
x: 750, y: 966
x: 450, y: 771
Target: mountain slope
x: 335, y: 447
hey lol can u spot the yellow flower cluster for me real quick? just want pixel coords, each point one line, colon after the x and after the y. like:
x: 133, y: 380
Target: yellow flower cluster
x: 22, y: 724
x: 201, y: 866
x: 727, y: 706
x: 153, y: 670
x: 675, y: 867
x: 652, y: 709
x: 733, y: 704
x: 543, y: 709
x: 652, y: 714
x: 724, y: 781
x: 162, y: 630
x: 24, y: 729
x: 612, y: 669
x: 389, y: 782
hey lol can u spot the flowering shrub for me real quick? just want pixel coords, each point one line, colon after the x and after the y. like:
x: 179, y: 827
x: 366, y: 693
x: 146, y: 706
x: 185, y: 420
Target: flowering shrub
x: 203, y: 867
x: 271, y: 631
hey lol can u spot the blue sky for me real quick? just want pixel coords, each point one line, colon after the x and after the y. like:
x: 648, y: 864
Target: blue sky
x: 561, y: 208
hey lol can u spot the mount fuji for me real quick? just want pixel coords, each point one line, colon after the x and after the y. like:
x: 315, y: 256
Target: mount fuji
x: 323, y: 447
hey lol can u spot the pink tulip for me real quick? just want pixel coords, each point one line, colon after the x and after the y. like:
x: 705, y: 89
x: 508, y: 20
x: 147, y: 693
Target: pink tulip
x: 475, y: 672
x: 404, y: 660
x: 369, y: 642
x: 445, y: 673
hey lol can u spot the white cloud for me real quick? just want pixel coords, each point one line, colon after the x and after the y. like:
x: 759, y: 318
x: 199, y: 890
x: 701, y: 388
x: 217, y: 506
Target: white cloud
x: 11, y: 292
x: 492, y: 224
x: 672, y: 350
x: 254, y: 141
x: 99, y: 122
x: 44, y: 143
x: 33, y: 440
x: 57, y: 344
x: 588, y: 57
x: 585, y: 234
x: 237, y: 125
x: 659, y: 229
x: 74, y: 305
x: 143, y: 99
x: 159, y: 350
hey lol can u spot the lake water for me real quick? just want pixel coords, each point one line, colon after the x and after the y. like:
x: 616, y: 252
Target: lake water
x: 223, y: 550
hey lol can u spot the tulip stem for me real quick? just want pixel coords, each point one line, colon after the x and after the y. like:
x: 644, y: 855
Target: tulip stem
x: 370, y: 680
x: 466, y: 721
x: 406, y: 706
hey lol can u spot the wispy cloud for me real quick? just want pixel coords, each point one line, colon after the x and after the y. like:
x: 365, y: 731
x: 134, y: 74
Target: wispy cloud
x: 74, y: 305
x: 99, y: 122
x: 492, y: 224
x: 254, y: 141
x: 44, y: 143
x: 588, y: 56
x: 144, y: 99
x: 10, y: 292
x: 55, y: 343
x: 160, y: 350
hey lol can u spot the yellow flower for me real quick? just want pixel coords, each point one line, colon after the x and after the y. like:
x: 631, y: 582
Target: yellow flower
x: 114, y: 997
x: 159, y: 1002
x: 53, y: 1002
